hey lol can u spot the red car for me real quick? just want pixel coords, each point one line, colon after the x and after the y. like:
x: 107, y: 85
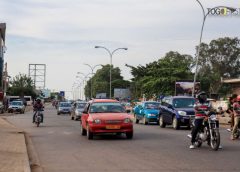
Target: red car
x: 105, y: 116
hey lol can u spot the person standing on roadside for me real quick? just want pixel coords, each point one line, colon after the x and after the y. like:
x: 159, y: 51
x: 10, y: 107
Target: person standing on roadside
x: 232, y: 100
x: 236, y: 113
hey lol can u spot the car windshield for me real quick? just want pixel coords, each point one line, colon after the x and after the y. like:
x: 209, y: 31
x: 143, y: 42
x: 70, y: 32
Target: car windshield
x: 81, y: 105
x: 16, y: 103
x: 183, y: 102
x: 152, y: 105
x: 108, y: 107
x: 65, y: 105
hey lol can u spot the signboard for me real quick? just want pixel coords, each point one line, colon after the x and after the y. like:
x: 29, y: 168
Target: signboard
x: 46, y: 93
x: 185, y: 88
x: 101, y: 95
x: 62, y: 93
x: 122, y: 93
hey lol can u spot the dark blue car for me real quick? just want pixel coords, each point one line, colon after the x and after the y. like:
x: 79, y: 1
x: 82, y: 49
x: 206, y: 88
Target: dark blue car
x: 177, y: 111
x: 147, y: 111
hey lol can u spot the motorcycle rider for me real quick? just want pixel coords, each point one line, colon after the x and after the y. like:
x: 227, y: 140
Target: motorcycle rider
x: 38, y: 106
x: 201, y: 108
x: 236, y: 113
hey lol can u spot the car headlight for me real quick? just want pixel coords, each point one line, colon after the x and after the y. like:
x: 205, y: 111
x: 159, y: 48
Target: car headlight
x: 182, y: 113
x: 127, y: 120
x: 97, y: 121
x: 151, y: 115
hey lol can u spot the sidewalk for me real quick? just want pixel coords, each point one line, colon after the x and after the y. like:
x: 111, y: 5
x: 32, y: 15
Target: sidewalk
x: 13, y: 151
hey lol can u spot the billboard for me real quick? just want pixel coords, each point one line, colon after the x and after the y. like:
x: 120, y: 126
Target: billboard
x: 101, y: 95
x: 184, y: 88
x: 122, y: 93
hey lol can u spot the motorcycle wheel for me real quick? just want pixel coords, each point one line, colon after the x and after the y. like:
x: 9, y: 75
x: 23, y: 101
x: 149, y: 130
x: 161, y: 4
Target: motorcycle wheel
x: 215, y: 141
x: 38, y: 124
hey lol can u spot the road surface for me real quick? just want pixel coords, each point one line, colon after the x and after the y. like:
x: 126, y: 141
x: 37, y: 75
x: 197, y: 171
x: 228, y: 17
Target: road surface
x: 61, y: 148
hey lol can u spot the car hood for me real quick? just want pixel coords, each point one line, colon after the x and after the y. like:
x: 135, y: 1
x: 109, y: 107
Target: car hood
x: 80, y: 110
x: 151, y: 111
x: 190, y: 111
x: 109, y: 116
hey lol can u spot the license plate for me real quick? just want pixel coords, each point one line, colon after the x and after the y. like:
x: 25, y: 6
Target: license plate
x: 113, y: 127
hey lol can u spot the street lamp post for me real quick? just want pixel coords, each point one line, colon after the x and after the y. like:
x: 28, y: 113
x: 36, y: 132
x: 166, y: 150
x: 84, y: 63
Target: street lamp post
x: 200, y: 40
x: 92, y: 69
x: 84, y: 78
x: 110, y: 70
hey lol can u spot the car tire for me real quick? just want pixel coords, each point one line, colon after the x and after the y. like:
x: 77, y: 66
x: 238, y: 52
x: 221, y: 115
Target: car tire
x: 83, y: 131
x: 72, y: 118
x: 89, y: 134
x: 175, y: 123
x: 135, y: 119
x: 145, y: 121
x: 161, y: 123
x: 58, y: 113
x: 129, y: 135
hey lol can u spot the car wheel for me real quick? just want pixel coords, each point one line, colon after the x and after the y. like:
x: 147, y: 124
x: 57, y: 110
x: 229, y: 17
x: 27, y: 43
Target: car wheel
x: 58, y: 113
x: 161, y: 123
x: 72, y: 118
x: 145, y: 121
x: 175, y: 123
x: 89, y: 134
x: 135, y: 119
x: 83, y: 131
x: 129, y: 135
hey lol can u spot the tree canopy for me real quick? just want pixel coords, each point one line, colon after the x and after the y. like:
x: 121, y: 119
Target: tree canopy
x: 21, y: 85
x: 100, y: 81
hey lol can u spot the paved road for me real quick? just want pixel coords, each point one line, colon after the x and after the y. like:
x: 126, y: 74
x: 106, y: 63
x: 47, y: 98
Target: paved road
x: 61, y: 148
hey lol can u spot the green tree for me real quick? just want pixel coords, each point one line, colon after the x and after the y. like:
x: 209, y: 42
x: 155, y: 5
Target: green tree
x: 21, y: 85
x: 219, y: 59
x: 100, y: 81
x: 159, y: 76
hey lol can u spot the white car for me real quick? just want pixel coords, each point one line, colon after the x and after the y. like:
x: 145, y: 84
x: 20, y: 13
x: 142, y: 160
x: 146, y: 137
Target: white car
x: 77, y: 110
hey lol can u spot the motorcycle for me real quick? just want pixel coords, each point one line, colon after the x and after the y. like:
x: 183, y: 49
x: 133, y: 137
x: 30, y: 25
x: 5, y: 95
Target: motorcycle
x: 38, y: 117
x: 209, y: 132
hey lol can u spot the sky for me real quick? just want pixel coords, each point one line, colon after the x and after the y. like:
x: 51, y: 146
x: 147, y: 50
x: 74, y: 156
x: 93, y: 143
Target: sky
x: 63, y: 33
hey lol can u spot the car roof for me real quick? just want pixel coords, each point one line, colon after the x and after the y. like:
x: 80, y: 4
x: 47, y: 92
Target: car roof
x: 181, y: 97
x: 103, y: 101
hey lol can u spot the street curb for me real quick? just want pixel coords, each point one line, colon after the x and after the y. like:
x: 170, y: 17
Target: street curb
x: 33, y: 156
x: 26, y: 166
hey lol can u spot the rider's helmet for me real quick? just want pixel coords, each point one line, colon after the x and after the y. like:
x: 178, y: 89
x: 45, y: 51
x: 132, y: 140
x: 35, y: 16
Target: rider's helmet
x: 238, y: 98
x: 202, y: 97
x: 38, y: 100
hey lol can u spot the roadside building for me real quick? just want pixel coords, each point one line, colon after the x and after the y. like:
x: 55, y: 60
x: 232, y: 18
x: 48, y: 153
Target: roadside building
x: 234, y: 83
x: 2, y: 51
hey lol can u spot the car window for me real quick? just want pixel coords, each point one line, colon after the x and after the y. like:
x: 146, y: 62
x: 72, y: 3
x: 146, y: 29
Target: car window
x: 65, y: 105
x: 183, y: 102
x: 17, y: 103
x: 152, y: 105
x: 81, y: 105
x: 107, y: 107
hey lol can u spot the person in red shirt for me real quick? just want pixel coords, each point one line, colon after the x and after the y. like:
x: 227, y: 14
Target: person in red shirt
x: 202, y: 106
x: 236, y: 113
x: 38, y: 106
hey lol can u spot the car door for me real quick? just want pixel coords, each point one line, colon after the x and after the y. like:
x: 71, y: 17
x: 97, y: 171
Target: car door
x: 141, y: 111
x: 85, y: 115
x: 166, y: 111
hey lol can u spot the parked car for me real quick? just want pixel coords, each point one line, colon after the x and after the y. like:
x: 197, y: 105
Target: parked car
x: 77, y: 110
x: 16, y: 106
x: 177, y: 111
x: 105, y: 116
x: 64, y: 108
x: 147, y: 111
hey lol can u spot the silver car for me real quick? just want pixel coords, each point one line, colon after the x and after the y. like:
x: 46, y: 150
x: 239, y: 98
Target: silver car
x: 16, y: 106
x: 77, y: 110
x: 64, y: 108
